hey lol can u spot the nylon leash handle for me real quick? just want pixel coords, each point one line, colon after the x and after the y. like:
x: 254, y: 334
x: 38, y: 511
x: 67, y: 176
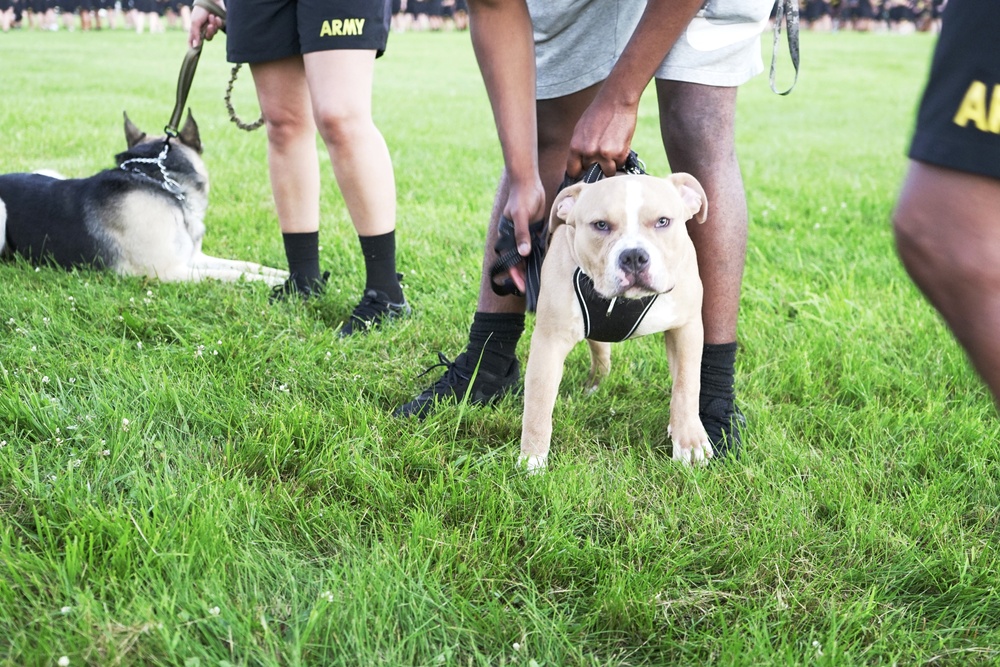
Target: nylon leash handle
x: 188, y: 67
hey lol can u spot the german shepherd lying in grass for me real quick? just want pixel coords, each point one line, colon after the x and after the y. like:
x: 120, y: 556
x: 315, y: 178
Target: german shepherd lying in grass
x: 144, y: 218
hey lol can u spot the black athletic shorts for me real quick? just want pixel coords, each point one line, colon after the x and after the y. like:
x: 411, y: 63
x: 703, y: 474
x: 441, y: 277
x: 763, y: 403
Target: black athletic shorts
x: 265, y: 30
x: 958, y: 123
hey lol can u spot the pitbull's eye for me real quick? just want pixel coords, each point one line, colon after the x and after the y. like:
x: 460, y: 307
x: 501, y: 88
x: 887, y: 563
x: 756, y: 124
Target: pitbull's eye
x: 601, y: 225
x: 662, y: 222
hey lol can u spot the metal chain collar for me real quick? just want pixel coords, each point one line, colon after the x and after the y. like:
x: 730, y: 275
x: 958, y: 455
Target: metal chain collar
x: 167, y: 183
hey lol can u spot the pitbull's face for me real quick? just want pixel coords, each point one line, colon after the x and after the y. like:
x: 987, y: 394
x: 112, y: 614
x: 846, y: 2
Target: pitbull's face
x: 629, y: 231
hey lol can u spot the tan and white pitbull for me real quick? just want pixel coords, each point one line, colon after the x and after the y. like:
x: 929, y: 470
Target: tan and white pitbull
x: 627, y: 236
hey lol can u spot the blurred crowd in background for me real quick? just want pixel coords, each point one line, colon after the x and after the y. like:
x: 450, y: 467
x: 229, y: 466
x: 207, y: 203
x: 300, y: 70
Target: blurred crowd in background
x: 899, y: 16
x: 160, y: 15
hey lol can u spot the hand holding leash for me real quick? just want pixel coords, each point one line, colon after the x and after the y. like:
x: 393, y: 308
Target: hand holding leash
x: 206, y: 26
x: 207, y: 18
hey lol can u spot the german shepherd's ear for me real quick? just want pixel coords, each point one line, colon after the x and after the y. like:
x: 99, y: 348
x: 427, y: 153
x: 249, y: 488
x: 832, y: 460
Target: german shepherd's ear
x: 189, y: 133
x: 133, y: 135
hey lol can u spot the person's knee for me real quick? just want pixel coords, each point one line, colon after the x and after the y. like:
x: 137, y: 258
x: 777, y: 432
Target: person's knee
x: 341, y: 126
x: 915, y: 242
x: 286, y: 128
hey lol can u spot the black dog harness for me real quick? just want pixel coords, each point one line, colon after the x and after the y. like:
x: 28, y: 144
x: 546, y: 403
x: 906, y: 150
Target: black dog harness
x: 598, y: 322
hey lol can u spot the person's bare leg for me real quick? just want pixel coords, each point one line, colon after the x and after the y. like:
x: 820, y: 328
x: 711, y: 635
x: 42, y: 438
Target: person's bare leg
x: 340, y: 84
x: 697, y: 123
x: 947, y: 227
x: 292, y: 159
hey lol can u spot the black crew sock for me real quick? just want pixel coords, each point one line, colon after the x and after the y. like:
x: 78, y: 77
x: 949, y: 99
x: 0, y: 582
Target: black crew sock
x: 302, y: 251
x: 493, y: 338
x: 718, y: 372
x: 380, y: 265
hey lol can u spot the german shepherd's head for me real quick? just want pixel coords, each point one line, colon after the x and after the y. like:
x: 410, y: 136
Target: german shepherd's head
x: 182, y: 163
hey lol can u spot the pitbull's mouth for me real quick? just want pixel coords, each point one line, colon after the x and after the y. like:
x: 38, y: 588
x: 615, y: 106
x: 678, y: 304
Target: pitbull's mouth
x: 631, y: 286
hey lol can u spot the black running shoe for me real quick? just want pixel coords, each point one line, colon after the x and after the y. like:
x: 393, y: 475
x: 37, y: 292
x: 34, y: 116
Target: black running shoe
x: 304, y: 289
x: 461, y: 380
x: 375, y: 308
x: 724, y: 422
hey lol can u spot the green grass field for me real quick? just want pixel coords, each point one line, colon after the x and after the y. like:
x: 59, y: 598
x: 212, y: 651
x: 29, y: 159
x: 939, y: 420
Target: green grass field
x: 190, y: 476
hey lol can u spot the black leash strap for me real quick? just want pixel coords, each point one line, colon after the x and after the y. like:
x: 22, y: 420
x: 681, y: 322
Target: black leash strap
x: 188, y: 67
x: 789, y: 10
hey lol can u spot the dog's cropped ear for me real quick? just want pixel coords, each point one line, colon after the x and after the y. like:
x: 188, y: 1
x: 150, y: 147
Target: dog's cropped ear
x: 563, y: 204
x: 561, y: 207
x: 189, y: 133
x: 692, y: 194
x: 133, y: 135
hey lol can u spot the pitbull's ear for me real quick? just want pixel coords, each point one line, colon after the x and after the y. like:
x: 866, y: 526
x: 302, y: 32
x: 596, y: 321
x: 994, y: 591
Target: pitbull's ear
x: 133, y: 135
x: 563, y: 204
x: 692, y: 194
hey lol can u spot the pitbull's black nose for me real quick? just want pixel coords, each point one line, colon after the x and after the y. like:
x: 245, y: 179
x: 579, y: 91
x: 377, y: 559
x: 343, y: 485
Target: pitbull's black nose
x: 633, y: 260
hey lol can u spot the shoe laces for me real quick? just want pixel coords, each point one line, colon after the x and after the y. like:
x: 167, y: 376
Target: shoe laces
x: 455, y: 371
x: 373, y: 306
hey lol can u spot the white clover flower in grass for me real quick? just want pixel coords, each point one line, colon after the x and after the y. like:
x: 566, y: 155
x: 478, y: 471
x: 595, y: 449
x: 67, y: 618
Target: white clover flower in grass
x: 106, y: 452
x: 65, y: 610
x: 125, y: 424
x: 63, y: 661
x: 214, y: 611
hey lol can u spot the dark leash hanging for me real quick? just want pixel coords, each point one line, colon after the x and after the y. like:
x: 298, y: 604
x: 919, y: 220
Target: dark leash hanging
x: 186, y: 76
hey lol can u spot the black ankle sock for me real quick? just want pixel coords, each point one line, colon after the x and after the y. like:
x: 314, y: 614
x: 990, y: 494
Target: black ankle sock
x: 380, y: 264
x: 493, y: 337
x: 302, y: 251
x: 718, y: 371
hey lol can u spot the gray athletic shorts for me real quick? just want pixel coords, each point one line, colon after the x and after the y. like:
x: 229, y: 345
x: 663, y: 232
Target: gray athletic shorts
x: 577, y: 42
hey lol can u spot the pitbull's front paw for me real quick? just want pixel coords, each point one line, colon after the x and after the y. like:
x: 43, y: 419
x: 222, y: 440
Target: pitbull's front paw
x: 690, y: 443
x: 532, y: 464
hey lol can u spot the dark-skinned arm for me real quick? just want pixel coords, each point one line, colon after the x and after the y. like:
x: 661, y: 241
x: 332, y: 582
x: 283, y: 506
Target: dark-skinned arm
x: 604, y: 132
x: 504, y: 46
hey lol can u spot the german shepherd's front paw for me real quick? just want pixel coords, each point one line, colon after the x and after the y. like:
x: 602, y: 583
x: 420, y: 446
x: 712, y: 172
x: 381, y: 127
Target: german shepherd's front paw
x: 690, y: 443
